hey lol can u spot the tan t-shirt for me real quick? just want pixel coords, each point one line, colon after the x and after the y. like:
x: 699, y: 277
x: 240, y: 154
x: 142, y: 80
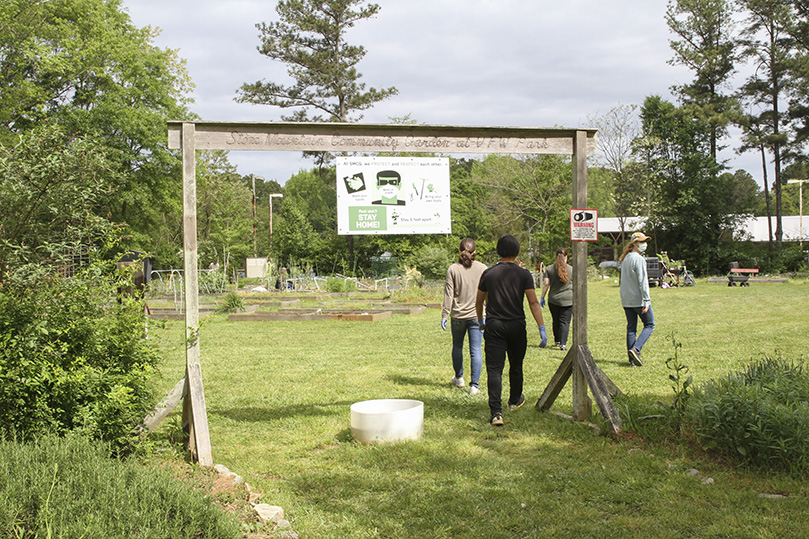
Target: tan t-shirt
x: 460, y: 291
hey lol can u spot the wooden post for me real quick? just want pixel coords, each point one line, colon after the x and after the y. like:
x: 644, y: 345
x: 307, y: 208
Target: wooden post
x: 579, y: 364
x: 194, y: 402
x: 582, y: 406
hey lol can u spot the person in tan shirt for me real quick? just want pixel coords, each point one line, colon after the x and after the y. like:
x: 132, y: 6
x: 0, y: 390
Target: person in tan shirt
x: 460, y: 291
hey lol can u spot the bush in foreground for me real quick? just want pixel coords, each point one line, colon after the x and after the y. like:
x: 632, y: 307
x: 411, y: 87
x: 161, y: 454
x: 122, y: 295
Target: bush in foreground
x: 760, y: 415
x: 72, y: 357
x: 69, y: 487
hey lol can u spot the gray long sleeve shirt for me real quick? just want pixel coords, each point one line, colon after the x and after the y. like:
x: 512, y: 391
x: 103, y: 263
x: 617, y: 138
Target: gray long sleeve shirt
x: 634, y: 281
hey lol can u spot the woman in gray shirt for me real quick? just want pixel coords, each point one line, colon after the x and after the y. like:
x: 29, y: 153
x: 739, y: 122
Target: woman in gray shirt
x: 557, y: 281
x: 635, y: 297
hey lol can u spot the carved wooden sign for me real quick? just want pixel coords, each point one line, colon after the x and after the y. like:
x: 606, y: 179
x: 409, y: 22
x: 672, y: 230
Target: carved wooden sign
x: 345, y: 137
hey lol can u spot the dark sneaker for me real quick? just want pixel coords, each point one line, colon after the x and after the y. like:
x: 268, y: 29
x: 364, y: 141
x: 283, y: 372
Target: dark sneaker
x: 519, y: 403
x: 634, y: 358
x: 562, y: 347
x: 497, y: 420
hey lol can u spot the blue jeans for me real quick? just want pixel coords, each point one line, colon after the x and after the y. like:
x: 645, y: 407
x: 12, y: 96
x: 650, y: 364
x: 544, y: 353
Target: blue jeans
x: 633, y: 340
x: 460, y: 328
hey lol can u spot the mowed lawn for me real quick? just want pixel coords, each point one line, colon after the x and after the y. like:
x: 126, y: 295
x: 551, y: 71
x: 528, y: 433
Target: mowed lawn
x: 278, y: 397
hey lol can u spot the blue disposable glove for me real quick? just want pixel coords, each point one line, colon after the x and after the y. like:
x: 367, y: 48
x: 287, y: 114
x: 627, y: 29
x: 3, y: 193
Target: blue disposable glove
x: 541, y: 302
x: 544, y: 336
x: 444, y: 324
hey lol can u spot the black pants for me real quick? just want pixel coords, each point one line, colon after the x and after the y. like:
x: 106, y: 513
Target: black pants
x: 502, y: 338
x: 561, y: 322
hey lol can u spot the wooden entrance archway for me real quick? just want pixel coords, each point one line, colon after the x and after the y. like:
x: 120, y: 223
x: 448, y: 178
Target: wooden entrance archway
x: 345, y: 137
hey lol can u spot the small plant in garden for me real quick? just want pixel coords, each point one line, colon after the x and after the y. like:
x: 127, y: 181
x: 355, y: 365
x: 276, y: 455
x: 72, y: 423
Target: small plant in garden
x: 337, y: 284
x: 413, y: 274
x: 62, y: 487
x: 680, y: 381
x: 233, y: 303
x: 658, y: 420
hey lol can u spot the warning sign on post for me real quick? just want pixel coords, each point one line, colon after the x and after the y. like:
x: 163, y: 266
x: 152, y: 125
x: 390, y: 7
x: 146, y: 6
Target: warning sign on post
x: 583, y: 225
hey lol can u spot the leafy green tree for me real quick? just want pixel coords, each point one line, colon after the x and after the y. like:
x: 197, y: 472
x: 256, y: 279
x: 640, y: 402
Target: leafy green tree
x: 696, y: 213
x: 314, y: 196
x: 744, y: 193
x: 467, y: 199
x: 81, y: 64
x: 70, y: 359
x: 50, y: 185
x: 766, y: 41
x: 707, y: 47
x: 529, y: 197
x: 294, y: 239
x: 310, y: 38
x: 798, y: 28
x: 224, y: 210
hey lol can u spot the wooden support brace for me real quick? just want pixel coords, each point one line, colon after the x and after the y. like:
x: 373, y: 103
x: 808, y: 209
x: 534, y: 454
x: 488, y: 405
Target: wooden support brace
x: 199, y: 442
x: 599, y: 388
x: 166, y: 406
x: 557, y: 382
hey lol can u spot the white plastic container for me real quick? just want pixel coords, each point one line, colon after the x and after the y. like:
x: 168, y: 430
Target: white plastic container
x: 387, y: 420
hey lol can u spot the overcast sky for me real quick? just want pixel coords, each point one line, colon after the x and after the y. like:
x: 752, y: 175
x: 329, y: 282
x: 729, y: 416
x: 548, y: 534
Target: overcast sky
x: 525, y: 63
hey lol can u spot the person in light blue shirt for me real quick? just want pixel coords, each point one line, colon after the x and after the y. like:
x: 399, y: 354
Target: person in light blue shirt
x: 635, y: 297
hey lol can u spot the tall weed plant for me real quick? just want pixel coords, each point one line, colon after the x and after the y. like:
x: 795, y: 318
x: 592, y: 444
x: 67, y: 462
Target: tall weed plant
x: 759, y: 416
x: 73, y: 356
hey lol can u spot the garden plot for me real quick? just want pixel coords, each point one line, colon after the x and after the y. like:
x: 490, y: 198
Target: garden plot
x: 366, y: 315
x: 174, y: 314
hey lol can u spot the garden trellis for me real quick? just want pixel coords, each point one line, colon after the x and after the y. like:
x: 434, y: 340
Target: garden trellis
x: 370, y: 138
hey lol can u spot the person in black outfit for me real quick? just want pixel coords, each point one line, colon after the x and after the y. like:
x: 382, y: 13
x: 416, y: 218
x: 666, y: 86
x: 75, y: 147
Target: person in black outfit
x: 502, y: 288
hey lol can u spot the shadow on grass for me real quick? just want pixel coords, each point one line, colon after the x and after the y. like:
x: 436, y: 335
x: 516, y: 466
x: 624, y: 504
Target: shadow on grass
x: 263, y: 414
x: 402, y: 380
x: 453, y: 404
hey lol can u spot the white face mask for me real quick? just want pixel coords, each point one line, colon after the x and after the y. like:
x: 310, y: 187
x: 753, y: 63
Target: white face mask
x: 642, y: 247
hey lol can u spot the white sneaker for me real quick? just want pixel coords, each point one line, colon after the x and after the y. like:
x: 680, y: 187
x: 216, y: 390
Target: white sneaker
x: 457, y: 382
x: 474, y: 390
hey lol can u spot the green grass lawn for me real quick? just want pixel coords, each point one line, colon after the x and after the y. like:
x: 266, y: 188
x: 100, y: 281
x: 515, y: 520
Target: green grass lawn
x: 278, y: 397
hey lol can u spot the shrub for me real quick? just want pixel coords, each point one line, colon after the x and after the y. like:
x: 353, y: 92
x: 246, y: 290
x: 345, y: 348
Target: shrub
x: 433, y: 260
x: 760, y: 416
x: 72, y: 358
x: 337, y: 284
x: 69, y: 487
x: 233, y: 303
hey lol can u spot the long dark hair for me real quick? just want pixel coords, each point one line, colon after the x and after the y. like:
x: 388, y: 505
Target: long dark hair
x: 467, y: 252
x: 561, y: 265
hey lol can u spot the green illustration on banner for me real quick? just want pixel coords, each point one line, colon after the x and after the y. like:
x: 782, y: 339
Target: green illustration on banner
x: 366, y: 219
x: 393, y: 195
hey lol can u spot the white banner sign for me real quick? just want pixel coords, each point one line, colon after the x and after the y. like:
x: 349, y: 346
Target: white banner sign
x: 393, y: 195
